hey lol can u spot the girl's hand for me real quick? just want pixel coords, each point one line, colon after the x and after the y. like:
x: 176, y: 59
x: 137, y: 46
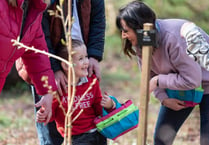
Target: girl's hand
x: 40, y: 115
x: 46, y: 104
x: 153, y: 84
x: 107, y: 102
x: 174, y: 104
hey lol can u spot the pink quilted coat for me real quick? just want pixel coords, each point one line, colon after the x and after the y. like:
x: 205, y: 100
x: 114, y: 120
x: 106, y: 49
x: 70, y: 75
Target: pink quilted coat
x: 36, y: 64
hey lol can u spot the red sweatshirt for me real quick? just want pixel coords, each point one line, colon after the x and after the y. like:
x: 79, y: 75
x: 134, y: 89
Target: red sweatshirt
x: 90, y: 105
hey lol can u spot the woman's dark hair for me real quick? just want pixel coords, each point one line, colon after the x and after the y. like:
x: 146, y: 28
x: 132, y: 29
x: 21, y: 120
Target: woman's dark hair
x: 135, y: 14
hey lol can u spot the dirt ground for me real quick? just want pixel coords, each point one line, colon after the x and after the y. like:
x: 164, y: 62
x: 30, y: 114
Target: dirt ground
x: 18, y: 126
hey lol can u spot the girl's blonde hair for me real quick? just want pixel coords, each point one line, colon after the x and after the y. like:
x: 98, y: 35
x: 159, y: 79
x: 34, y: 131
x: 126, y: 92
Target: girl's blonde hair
x: 63, y: 51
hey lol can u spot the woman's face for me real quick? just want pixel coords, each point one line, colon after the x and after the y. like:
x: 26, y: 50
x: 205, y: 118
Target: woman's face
x: 128, y: 33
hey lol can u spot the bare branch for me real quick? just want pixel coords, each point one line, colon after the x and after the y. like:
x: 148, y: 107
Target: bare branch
x: 21, y: 45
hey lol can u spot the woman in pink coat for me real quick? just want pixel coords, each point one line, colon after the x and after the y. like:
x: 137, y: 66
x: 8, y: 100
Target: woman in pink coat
x: 22, y: 18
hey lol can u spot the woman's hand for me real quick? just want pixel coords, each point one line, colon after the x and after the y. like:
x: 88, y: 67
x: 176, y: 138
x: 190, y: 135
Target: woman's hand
x: 12, y: 3
x: 153, y: 84
x: 174, y: 104
x: 94, y: 68
x: 61, y: 81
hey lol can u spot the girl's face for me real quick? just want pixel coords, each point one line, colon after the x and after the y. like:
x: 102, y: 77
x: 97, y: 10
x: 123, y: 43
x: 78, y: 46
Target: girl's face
x: 128, y: 33
x: 81, y: 61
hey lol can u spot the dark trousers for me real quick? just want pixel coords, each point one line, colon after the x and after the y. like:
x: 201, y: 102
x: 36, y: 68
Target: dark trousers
x: 94, y: 138
x: 169, y: 122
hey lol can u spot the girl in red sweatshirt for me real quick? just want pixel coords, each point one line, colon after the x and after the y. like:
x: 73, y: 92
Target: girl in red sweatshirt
x: 83, y: 128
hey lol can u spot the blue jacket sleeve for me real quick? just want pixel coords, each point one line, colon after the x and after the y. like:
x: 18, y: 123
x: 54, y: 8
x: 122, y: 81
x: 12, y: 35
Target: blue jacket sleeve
x: 97, y: 30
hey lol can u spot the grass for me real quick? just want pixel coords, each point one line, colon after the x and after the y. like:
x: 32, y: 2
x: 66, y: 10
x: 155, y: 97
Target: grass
x: 17, y: 119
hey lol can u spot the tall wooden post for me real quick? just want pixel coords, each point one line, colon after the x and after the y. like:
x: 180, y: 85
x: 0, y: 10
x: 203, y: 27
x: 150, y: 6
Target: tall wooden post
x: 144, y: 88
x: 67, y: 137
x: 70, y: 70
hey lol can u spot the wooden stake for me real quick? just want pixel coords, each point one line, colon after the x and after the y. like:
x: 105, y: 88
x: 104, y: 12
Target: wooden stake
x: 70, y: 70
x: 144, y: 90
x: 67, y: 138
